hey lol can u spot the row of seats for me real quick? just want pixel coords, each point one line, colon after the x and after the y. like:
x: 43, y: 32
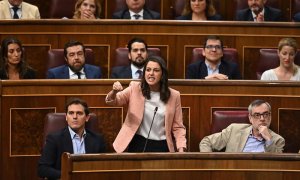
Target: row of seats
x: 220, y: 120
x: 58, y: 8
x: 268, y: 57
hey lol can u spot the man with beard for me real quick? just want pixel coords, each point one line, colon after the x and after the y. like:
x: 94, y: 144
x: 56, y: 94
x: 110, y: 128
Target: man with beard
x: 254, y: 137
x: 136, y: 11
x: 258, y: 12
x: 137, y: 55
x: 74, y: 52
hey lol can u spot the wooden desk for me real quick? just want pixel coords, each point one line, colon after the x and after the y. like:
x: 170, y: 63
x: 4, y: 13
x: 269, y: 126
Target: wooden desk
x: 184, y: 166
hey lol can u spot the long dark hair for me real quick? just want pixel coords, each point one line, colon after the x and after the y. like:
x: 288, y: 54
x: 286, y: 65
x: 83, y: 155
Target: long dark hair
x: 164, y: 84
x: 22, y: 66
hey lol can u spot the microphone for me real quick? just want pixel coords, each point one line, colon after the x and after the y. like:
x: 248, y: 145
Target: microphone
x: 155, y: 110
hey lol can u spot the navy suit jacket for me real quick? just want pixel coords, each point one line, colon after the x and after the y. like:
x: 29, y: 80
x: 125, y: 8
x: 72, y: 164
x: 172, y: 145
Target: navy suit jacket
x: 215, y: 17
x: 62, y: 72
x: 297, y: 17
x: 198, y: 70
x: 59, y: 142
x: 121, y: 72
x: 124, y: 14
x: 271, y: 14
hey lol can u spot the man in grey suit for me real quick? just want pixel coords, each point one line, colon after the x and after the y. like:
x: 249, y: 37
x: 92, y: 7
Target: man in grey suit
x: 258, y: 12
x: 76, y: 68
x: 17, y: 9
x: 136, y: 11
x: 254, y: 137
x: 137, y: 54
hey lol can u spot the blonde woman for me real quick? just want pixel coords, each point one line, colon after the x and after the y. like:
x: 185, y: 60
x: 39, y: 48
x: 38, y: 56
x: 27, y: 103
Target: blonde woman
x: 287, y: 69
x: 87, y: 9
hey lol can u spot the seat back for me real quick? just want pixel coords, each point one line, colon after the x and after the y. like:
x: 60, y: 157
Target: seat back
x: 222, y: 119
x: 57, y: 121
x: 154, y: 5
x: 60, y: 9
x: 56, y: 57
x: 230, y: 54
x: 121, y: 56
x: 268, y: 59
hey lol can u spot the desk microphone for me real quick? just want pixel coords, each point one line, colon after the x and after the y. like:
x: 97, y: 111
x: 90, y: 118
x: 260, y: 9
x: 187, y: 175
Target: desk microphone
x: 155, y: 110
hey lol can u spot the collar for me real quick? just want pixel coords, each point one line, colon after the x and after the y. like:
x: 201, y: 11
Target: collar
x: 73, y: 73
x: 209, y: 67
x: 141, y: 13
x: 73, y: 134
x: 134, y: 68
x: 258, y: 138
x: 254, y: 15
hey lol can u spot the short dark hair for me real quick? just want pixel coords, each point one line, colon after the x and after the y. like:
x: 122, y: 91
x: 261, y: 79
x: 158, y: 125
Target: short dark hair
x: 77, y: 101
x: 213, y: 37
x: 256, y: 103
x: 72, y: 43
x: 134, y: 40
x: 164, y: 84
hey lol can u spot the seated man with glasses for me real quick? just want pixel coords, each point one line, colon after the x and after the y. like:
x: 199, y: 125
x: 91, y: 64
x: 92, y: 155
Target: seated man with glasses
x: 214, y: 67
x: 254, y: 137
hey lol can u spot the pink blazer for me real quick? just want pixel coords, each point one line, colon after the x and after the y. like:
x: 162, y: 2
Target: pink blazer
x: 134, y: 98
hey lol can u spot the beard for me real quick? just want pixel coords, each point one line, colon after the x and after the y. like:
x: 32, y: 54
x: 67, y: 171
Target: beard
x: 256, y: 9
x: 75, y: 69
x: 139, y: 64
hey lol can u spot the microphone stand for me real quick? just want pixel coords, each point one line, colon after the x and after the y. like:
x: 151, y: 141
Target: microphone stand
x: 155, y: 110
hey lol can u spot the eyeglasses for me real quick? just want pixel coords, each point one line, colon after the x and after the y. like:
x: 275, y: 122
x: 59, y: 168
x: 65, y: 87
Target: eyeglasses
x: 265, y: 115
x: 211, y: 47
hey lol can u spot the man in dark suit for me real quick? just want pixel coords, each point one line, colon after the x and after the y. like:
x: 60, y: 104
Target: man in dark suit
x: 74, y: 52
x: 213, y: 67
x: 258, y: 12
x: 136, y: 11
x: 297, y: 17
x: 137, y: 55
x: 74, y: 139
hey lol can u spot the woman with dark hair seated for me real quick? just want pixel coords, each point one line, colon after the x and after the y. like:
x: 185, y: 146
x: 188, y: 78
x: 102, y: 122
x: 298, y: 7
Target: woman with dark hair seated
x: 13, y: 65
x: 87, y: 9
x: 199, y: 10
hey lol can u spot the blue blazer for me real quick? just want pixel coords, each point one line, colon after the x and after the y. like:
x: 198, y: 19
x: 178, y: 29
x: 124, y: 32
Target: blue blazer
x: 124, y: 14
x: 121, y: 72
x: 215, y: 17
x: 297, y: 17
x: 59, y: 142
x: 271, y: 14
x: 62, y: 72
x: 198, y: 70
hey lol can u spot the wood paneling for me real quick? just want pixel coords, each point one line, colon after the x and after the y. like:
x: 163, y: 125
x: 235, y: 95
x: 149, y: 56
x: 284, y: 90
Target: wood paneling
x: 24, y: 104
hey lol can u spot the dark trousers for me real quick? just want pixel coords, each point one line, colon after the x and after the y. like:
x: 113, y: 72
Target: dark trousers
x: 138, y: 142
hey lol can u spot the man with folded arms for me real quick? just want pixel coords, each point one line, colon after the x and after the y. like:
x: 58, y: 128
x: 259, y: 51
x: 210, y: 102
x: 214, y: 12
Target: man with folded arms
x: 17, y: 9
x: 254, y: 137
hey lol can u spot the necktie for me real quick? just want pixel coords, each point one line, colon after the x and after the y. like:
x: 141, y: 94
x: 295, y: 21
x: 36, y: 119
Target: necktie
x: 15, y: 8
x: 140, y: 72
x: 78, y: 74
x: 136, y: 16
